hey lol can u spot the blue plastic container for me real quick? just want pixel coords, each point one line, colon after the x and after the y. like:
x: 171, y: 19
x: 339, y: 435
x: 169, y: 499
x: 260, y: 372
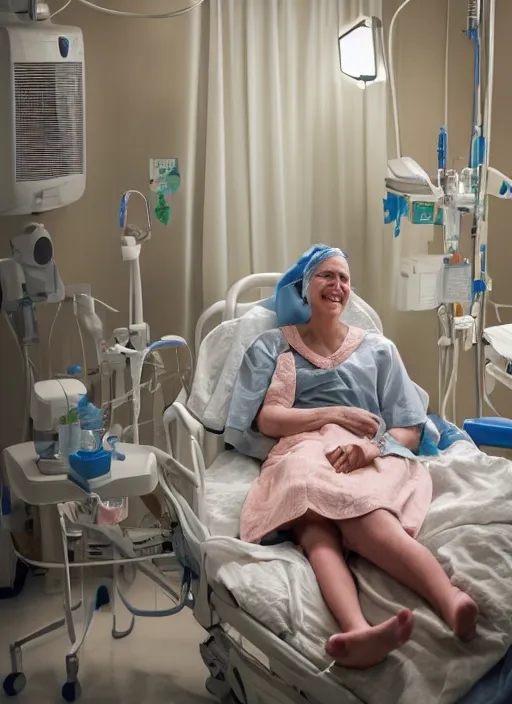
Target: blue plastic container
x: 491, y: 432
x: 90, y: 465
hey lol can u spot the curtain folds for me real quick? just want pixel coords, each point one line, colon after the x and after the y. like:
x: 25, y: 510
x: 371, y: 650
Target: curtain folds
x: 295, y: 153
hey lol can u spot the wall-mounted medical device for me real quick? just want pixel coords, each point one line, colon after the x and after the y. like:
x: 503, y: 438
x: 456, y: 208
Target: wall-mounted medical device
x: 42, y: 114
x: 29, y: 276
x: 429, y: 280
x: 34, y: 252
x: 31, y: 270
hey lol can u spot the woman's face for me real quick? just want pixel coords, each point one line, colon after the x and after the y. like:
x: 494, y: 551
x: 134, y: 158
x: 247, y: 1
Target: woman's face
x: 330, y: 287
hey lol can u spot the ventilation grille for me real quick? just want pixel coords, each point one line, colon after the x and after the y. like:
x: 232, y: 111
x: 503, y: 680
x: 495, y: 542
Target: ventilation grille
x: 49, y: 103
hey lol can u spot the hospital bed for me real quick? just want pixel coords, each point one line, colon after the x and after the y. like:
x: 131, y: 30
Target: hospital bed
x: 261, y: 606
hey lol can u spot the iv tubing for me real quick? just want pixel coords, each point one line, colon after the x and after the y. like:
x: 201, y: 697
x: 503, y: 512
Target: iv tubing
x: 477, y: 112
x: 138, y: 315
x: 28, y: 393
x: 489, y: 96
x: 130, y: 297
x: 135, y: 313
x: 28, y: 377
x: 448, y: 361
x: 50, y: 335
x: 82, y: 347
x: 15, y: 338
x: 440, y: 360
x: 450, y: 391
x: 447, y: 64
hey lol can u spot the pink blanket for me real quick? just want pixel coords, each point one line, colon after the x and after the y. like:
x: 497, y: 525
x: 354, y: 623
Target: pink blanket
x: 297, y: 477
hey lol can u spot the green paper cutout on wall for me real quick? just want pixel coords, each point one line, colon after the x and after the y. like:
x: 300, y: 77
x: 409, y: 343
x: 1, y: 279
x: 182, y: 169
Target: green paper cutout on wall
x: 162, y: 210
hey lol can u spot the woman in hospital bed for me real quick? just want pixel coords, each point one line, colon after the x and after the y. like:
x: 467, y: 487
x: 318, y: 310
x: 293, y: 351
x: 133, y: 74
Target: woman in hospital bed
x: 323, y: 389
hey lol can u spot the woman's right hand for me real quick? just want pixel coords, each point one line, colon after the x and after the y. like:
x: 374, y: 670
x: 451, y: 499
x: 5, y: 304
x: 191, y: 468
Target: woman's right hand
x: 349, y: 458
x: 358, y: 421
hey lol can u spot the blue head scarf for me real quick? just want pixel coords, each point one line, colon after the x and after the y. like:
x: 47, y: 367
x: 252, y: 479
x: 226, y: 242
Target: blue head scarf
x: 290, y: 298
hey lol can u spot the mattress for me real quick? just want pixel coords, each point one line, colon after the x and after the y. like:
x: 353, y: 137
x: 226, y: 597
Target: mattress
x: 468, y: 529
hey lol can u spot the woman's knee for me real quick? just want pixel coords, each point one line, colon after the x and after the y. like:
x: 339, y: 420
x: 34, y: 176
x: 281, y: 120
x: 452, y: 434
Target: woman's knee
x: 311, y: 532
x: 357, y: 531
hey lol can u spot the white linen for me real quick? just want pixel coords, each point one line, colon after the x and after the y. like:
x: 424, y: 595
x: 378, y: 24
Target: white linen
x: 500, y: 337
x: 468, y: 529
x: 218, y: 362
x: 227, y: 483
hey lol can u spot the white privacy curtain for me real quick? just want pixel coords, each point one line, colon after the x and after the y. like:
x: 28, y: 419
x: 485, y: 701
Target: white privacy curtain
x: 295, y: 151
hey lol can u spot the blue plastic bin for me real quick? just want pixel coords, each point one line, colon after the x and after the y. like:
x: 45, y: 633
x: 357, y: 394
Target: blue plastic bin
x: 491, y: 432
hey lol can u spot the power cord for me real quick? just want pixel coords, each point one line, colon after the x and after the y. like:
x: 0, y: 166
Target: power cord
x: 134, y: 15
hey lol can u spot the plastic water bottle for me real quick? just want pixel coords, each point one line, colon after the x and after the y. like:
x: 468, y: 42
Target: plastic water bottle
x: 91, y: 423
x: 69, y: 434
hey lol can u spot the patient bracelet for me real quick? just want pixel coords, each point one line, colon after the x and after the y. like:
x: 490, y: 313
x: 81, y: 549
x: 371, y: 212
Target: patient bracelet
x: 380, y: 444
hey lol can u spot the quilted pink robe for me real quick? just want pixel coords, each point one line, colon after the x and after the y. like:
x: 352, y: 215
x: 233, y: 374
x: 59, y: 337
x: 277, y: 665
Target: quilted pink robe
x: 297, y: 477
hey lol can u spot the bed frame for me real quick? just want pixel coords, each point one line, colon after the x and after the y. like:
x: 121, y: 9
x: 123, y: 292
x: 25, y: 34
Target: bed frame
x: 248, y: 664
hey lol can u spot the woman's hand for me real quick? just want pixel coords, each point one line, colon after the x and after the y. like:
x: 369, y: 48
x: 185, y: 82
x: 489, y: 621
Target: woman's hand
x: 352, y: 457
x: 276, y: 421
x: 358, y: 421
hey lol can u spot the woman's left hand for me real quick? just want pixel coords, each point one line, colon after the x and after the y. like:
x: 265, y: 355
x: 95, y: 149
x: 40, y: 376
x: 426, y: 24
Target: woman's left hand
x: 349, y: 458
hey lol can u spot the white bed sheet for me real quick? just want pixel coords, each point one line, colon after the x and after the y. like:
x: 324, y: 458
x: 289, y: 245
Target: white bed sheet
x: 469, y: 530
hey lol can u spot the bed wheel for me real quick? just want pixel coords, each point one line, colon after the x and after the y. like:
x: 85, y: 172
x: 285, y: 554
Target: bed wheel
x: 231, y: 698
x: 102, y: 599
x: 218, y: 687
x: 14, y: 683
x: 71, y: 691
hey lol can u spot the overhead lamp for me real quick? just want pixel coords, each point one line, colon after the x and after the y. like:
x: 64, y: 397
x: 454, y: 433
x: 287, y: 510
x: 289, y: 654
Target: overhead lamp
x: 360, y: 49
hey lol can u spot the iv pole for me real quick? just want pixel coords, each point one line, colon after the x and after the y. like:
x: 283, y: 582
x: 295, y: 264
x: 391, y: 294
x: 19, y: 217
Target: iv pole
x: 481, y: 29
x: 481, y: 19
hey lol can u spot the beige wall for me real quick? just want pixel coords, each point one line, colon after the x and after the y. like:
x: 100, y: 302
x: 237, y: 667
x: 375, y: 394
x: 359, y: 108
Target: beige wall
x: 420, y: 51
x: 142, y: 102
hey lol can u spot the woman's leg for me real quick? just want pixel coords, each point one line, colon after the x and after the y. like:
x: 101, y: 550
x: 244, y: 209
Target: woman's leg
x: 360, y: 645
x: 380, y: 538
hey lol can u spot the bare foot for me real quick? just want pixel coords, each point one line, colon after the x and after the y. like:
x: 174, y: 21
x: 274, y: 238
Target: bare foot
x: 462, y: 616
x: 368, y: 647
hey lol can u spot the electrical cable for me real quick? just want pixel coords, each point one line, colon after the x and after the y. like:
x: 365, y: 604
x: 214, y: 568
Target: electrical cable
x: 90, y: 563
x: 61, y: 9
x: 29, y: 379
x: 84, y: 357
x: 15, y: 337
x: 28, y: 366
x: 452, y: 383
x: 50, y: 335
x: 136, y: 15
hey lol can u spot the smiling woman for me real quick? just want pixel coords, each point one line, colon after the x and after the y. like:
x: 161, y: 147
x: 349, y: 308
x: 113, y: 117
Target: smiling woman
x: 342, y: 475
x: 326, y: 291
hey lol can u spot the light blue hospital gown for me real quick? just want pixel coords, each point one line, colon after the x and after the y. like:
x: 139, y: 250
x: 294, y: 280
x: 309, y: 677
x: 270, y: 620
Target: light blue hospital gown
x: 373, y: 378
x: 366, y: 372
